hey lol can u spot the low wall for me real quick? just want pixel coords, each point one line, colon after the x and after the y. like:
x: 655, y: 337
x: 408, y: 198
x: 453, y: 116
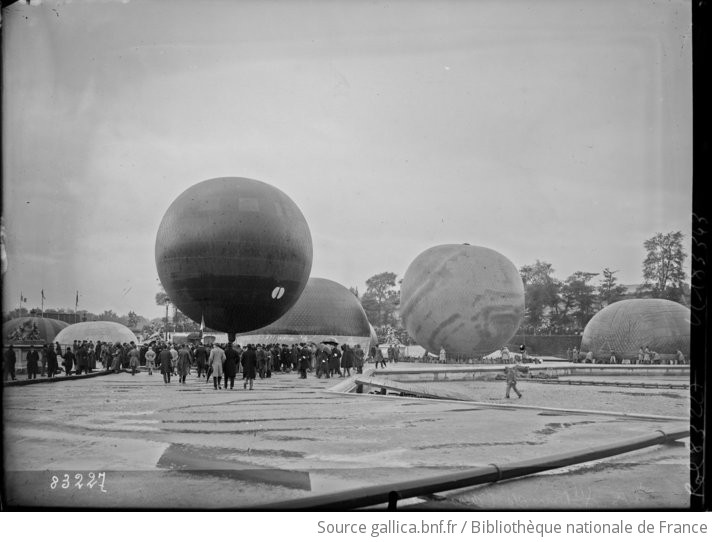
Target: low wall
x: 545, y: 345
x: 439, y: 374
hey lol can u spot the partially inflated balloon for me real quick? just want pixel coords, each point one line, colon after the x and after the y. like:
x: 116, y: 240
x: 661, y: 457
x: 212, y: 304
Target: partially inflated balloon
x: 625, y: 326
x: 466, y: 299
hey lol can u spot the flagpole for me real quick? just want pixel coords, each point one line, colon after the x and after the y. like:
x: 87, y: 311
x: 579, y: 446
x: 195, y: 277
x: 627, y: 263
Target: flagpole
x: 42, y: 302
x: 76, y: 305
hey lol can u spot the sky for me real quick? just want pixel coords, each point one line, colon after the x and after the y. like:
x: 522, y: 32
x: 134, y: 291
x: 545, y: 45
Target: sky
x: 558, y: 130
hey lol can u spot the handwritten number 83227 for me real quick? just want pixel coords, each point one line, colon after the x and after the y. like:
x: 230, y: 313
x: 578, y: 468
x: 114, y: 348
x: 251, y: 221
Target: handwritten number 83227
x: 67, y: 481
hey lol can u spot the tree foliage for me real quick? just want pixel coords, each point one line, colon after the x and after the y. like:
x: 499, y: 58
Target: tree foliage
x: 579, y: 299
x: 609, y: 291
x: 380, y: 300
x: 541, y: 294
x: 663, y: 268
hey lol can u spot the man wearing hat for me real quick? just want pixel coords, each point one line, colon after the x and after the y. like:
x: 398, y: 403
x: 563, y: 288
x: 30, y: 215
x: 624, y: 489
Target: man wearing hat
x: 32, y: 363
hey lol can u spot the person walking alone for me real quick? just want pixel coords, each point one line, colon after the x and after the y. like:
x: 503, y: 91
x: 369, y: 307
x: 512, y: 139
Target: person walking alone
x: 378, y: 357
x: 511, y: 375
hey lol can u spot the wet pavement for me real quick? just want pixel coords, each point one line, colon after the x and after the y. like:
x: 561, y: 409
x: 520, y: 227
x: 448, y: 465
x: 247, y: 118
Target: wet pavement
x: 190, y: 446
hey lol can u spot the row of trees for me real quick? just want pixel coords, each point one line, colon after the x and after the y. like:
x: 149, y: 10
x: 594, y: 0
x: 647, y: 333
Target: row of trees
x: 555, y: 306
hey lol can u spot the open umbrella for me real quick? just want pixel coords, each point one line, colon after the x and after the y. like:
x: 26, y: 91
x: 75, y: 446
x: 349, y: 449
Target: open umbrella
x: 330, y: 340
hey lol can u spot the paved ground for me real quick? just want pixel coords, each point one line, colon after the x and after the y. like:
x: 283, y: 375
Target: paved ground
x: 191, y: 446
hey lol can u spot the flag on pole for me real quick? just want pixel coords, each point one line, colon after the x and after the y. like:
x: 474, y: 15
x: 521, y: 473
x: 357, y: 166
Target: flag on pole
x: 76, y: 302
x: 22, y: 299
x: 202, y: 323
x: 43, y: 296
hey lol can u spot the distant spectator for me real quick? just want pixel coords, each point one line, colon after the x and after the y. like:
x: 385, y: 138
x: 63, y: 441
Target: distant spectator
x: 32, y: 363
x: 358, y: 359
x: 174, y: 359
x: 134, y: 358
x: 68, y: 362
x: 347, y: 360
x: 52, y: 366
x: 185, y: 360
x: 150, y: 357
x: 165, y: 363
x: 43, y: 359
x: 378, y: 358
x: 216, y: 360
x: 680, y: 358
x: 9, y: 360
x: 249, y: 365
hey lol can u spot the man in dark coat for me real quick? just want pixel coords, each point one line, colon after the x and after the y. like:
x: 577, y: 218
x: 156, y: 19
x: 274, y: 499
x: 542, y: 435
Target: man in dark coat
x: 164, y: 360
x: 230, y: 365
x: 33, y: 359
x: 43, y: 359
x: 358, y: 359
x: 347, y: 359
x: 276, y: 358
x: 249, y: 366
x: 9, y: 361
x: 124, y: 356
x: 185, y: 360
x: 304, y: 358
x: 201, y: 357
x: 261, y: 361
x: 51, y: 362
x: 82, y: 359
x: 285, y: 357
x: 322, y: 361
x: 68, y: 361
x: 335, y: 362
x: 294, y: 357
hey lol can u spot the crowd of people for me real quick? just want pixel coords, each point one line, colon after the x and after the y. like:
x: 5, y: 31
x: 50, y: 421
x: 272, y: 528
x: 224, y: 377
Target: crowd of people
x: 221, y: 362
x: 50, y: 360
x: 646, y: 356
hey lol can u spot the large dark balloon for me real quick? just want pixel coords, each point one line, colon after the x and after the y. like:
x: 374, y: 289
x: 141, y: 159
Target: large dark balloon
x: 467, y: 299
x: 234, y: 251
x: 325, y: 310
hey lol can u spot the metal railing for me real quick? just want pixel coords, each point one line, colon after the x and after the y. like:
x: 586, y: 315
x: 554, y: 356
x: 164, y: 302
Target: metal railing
x: 392, y: 493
